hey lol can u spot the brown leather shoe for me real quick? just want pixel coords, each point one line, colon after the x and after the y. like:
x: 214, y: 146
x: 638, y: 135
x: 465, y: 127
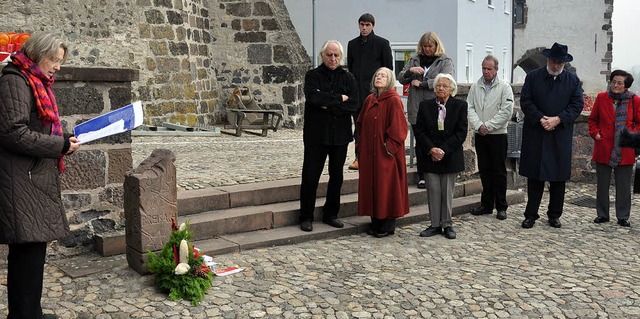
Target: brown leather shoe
x: 354, y: 165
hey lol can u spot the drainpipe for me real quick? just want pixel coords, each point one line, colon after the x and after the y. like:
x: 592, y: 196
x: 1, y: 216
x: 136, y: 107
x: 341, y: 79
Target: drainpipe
x: 313, y: 35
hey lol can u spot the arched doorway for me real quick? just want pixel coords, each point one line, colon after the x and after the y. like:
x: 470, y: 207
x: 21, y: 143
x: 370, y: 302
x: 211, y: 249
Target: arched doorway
x: 533, y: 59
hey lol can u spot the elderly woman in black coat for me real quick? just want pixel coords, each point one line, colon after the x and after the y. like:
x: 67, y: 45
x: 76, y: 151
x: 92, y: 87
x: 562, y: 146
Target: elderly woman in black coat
x: 441, y: 128
x: 32, y: 146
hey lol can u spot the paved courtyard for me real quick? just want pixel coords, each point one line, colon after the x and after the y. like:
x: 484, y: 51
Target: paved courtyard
x: 494, y: 269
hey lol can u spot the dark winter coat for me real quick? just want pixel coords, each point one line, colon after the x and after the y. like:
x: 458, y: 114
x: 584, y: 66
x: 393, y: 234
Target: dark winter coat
x: 327, y: 120
x: 31, y: 209
x: 546, y: 155
x: 364, y: 58
x: 382, y: 185
x: 450, y: 140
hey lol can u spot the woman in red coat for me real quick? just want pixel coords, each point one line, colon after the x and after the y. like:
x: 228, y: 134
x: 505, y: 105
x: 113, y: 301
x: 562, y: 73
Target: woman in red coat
x: 614, y: 110
x: 382, y: 127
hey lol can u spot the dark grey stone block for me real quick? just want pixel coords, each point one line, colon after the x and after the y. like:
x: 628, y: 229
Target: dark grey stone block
x: 259, y: 53
x: 277, y: 74
x: 79, y: 100
x: 154, y: 17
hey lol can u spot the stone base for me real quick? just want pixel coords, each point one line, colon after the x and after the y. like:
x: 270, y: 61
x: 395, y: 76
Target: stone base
x: 136, y: 261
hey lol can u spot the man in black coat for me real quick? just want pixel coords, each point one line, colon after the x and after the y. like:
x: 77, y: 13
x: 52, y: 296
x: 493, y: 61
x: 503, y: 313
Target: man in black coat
x: 551, y: 100
x: 331, y: 96
x: 365, y: 55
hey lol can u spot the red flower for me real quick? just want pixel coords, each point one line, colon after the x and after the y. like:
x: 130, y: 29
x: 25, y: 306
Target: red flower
x: 174, y: 227
x: 175, y: 254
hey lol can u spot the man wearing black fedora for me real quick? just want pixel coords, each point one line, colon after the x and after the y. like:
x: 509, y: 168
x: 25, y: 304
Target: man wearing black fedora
x: 551, y: 100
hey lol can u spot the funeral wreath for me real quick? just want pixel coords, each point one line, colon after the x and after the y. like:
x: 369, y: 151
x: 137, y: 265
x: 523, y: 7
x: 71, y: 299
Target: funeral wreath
x: 179, y: 267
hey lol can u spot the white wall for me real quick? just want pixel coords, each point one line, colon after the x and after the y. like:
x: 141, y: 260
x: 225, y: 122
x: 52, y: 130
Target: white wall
x: 576, y: 23
x: 404, y: 21
x: 481, y: 26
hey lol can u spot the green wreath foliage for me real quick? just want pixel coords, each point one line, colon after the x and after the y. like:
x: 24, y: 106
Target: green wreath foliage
x: 191, y: 286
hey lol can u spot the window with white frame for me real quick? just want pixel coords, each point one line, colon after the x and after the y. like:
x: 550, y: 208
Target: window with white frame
x: 489, y: 49
x: 469, y: 63
x: 401, y: 54
x: 505, y: 51
x: 506, y: 7
x: 490, y: 3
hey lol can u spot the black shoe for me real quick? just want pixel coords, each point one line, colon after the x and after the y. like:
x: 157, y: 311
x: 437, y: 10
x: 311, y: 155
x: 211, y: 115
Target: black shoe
x: 624, y: 222
x: 528, y: 223
x: 306, y: 226
x: 502, y: 215
x: 333, y: 222
x: 431, y: 231
x: 422, y: 184
x: 555, y: 222
x: 480, y: 211
x: 371, y: 232
x: 449, y: 233
x: 600, y: 220
x: 384, y: 234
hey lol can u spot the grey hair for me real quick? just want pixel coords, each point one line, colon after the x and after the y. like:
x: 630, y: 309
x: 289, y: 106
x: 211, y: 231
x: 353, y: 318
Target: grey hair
x: 41, y: 45
x: 453, y: 85
x: 390, y: 75
x: 326, y: 44
x: 491, y: 57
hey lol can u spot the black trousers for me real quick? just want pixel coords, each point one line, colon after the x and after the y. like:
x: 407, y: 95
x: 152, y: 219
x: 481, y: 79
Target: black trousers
x: 492, y: 156
x: 25, y: 272
x: 535, y: 188
x: 315, y: 156
x: 355, y: 130
x: 383, y: 225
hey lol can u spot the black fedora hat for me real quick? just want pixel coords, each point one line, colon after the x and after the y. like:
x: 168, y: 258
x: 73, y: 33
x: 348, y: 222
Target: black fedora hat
x: 558, y: 52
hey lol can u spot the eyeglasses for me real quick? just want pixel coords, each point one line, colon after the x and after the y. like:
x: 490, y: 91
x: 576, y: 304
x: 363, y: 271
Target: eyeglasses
x: 616, y: 83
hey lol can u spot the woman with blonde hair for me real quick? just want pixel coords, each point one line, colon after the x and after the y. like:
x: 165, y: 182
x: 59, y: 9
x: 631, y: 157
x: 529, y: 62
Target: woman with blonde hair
x: 420, y: 72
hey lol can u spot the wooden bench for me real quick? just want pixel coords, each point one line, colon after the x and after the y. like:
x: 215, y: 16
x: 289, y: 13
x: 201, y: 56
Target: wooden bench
x: 270, y: 121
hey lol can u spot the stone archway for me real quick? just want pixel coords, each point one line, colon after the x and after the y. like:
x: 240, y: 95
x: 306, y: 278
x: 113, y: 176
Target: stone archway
x: 533, y: 59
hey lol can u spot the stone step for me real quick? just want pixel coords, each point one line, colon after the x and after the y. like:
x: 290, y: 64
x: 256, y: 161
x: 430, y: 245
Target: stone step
x: 270, y: 205
x: 269, y: 216
x: 292, y: 234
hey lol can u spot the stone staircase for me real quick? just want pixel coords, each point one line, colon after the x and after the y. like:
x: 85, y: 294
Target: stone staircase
x: 235, y: 218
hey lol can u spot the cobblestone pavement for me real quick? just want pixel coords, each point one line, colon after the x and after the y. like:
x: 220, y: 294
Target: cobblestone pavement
x: 494, y: 269
x: 228, y: 160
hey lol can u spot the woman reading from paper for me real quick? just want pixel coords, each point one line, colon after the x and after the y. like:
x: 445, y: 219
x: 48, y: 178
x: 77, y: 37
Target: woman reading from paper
x: 32, y: 150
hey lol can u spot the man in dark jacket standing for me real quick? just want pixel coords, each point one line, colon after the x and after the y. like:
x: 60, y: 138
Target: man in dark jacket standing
x: 551, y: 100
x: 331, y: 97
x: 366, y: 54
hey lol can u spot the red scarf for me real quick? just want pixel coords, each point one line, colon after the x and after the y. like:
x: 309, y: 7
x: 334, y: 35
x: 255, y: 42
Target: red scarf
x: 45, y: 100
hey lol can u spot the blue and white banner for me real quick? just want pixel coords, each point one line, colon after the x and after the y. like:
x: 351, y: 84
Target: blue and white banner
x: 117, y: 121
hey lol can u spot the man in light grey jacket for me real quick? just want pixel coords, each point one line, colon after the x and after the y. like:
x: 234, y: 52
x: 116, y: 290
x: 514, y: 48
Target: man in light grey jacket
x: 490, y: 103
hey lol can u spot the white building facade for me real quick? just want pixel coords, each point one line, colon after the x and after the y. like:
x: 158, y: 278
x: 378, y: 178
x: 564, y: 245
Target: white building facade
x: 469, y: 29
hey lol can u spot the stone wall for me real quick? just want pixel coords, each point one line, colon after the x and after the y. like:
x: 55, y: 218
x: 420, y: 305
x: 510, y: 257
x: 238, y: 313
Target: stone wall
x: 92, y: 186
x: 189, y: 53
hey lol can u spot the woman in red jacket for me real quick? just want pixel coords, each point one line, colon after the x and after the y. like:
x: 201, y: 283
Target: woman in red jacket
x: 612, y: 111
x: 382, y: 129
